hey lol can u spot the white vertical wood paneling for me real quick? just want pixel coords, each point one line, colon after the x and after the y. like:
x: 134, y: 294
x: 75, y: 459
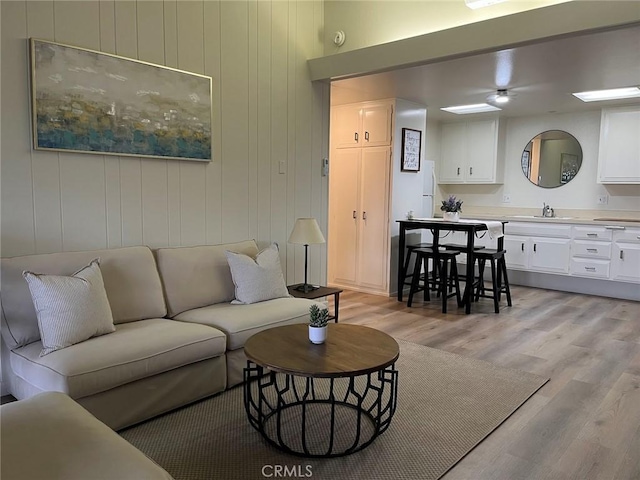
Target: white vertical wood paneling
x: 130, y: 167
x: 265, y: 112
x: 264, y: 120
x: 18, y: 235
x: 292, y: 126
x: 279, y: 141
x: 111, y: 164
x: 45, y: 165
x: 192, y: 174
x: 252, y: 137
x: 234, y: 87
x: 213, y: 212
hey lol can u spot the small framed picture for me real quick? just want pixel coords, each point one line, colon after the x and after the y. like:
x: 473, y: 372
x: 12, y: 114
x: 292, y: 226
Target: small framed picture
x: 411, y: 149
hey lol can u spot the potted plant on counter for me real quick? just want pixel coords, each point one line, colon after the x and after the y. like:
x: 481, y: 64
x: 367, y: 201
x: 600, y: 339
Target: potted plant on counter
x: 451, y: 208
x: 318, y: 319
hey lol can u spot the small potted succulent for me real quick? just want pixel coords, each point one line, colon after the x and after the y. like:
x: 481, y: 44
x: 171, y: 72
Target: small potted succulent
x: 451, y: 208
x: 318, y: 319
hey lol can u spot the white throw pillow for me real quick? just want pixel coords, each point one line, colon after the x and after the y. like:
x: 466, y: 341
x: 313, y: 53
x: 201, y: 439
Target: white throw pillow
x: 70, y: 309
x: 257, y: 280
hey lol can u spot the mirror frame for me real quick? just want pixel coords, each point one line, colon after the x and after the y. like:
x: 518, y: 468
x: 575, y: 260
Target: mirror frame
x: 526, y: 158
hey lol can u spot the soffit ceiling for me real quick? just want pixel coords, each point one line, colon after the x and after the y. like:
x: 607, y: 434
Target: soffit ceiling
x: 542, y: 76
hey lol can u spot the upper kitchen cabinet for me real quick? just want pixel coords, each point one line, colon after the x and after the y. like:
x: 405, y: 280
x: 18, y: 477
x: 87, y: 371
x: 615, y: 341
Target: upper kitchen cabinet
x: 472, y: 152
x: 619, y: 153
x: 362, y: 125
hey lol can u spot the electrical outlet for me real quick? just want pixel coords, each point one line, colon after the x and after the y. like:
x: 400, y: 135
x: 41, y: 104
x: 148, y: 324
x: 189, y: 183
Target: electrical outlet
x: 506, y: 198
x: 603, y: 199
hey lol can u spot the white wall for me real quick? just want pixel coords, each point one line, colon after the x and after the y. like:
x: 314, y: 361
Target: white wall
x: 266, y: 111
x: 382, y: 21
x: 579, y: 194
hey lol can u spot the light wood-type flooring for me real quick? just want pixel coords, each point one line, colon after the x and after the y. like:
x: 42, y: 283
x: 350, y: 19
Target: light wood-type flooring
x: 584, y: 423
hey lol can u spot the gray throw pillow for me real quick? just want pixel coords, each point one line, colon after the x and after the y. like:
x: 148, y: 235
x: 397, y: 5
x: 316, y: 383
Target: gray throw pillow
x: 70, y: 309
x: 257, y: 280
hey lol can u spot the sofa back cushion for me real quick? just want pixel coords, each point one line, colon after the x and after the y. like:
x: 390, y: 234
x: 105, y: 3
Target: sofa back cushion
x: 196, y: 277
x: 130, y: 276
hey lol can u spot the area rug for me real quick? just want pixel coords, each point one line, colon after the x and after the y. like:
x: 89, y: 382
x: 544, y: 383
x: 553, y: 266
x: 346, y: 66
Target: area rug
x: 447, y: 404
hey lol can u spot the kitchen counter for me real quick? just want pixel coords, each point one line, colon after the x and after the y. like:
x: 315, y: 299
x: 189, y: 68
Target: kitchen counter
x: 602, y: 221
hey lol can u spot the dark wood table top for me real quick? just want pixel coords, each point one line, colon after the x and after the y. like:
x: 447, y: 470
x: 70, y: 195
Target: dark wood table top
x: 321, y: 291
x: 349, y: 350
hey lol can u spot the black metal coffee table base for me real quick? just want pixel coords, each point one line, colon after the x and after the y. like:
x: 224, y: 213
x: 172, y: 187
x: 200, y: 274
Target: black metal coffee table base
x: 320, y: 417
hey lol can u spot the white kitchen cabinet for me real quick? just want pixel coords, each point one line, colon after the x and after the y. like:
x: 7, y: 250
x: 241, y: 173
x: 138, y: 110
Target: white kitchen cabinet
x: 472, y: 152
x: 538, y: 247
x: 550, y: 255
x: 359, y: 217
x: 366, y: 124
x: 619, y: 151
x: 625, y: 255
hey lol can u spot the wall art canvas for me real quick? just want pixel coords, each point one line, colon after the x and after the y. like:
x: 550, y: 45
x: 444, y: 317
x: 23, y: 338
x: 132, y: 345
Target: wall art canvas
x: 92, y: 102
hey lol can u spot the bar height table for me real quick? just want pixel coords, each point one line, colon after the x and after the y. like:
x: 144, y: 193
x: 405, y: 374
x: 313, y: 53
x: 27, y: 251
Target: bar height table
x: 470, y: 227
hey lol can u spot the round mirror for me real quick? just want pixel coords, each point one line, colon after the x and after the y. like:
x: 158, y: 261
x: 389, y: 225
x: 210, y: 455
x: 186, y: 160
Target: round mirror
x: 551, y: 159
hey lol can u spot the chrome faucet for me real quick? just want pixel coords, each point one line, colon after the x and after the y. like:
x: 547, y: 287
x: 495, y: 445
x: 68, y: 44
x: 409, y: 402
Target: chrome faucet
x: 547, y: 211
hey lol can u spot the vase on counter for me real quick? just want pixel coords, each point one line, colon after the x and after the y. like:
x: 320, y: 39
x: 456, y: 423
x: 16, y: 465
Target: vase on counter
x: 451, y: 216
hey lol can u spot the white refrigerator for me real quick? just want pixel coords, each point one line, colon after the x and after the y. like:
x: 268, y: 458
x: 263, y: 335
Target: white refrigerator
x: 427, y: 197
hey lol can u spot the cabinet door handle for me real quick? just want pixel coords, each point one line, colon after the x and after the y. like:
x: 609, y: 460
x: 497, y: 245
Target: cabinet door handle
x: 364, y: 215
x: 355, y: 136
x: 458, y: 170
x: 592, y: 234
x: 470, y: 170
x: 621, y: 254
x: 534, y: 247
x: 355, y: 214
x: 366, y: 136
x: 590, y: 269
x: 593, y: 250
x: 522, y: 247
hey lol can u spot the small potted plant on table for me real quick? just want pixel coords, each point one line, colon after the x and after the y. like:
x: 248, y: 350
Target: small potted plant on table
x: 451, y: 208
x: 318, y: 319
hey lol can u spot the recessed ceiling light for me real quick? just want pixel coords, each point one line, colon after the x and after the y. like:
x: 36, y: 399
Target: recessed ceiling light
x: 611, y: 94
x: 475, y: 108
x: 481, y: 3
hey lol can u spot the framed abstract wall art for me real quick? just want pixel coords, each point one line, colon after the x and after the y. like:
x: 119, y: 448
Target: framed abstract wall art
x: 93, y: 102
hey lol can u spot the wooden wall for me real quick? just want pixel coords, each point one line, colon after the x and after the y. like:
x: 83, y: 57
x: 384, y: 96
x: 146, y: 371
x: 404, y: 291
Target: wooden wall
x: 268, y: 118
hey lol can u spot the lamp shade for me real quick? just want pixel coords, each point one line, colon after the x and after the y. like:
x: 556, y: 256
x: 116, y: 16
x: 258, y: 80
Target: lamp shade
x: 306, y: 232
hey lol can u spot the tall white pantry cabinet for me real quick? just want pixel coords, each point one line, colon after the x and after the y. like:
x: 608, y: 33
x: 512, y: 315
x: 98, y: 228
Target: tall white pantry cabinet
x: 365, y: 139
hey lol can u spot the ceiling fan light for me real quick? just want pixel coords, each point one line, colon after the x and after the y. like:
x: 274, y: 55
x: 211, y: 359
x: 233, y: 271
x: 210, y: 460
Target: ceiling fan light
x: 473, y: 4
x: 610, y: 94
x: 502, y: 97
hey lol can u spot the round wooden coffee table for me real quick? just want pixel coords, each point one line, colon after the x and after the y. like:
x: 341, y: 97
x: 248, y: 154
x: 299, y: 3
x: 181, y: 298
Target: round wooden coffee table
x: 323, y: 400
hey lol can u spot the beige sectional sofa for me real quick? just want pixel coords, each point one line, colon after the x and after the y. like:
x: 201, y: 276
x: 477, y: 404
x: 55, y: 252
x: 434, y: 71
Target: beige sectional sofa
x: 178, y: 338
x: 49, y: 436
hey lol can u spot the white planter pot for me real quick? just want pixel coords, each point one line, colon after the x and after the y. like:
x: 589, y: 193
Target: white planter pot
x: 317, y: 335
x: 451, y: 216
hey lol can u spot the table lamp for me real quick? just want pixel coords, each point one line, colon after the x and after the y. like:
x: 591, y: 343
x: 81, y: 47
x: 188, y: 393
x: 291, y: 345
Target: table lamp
x: 306, y: 232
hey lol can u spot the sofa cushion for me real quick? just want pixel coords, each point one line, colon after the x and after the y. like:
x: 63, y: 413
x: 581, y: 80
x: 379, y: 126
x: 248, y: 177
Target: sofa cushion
x: 134, y: 351
x: 51, y: 436
x: 130, y: 276
x: 258, y: 279
x: 239, y: 322
x: 195, y: 277
x: 70, y: 309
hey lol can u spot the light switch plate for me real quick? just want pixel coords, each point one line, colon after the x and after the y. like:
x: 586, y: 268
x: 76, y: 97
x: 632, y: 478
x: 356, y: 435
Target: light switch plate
x: 603, y: 199
x: 506, y: 198
x: 282, y: 167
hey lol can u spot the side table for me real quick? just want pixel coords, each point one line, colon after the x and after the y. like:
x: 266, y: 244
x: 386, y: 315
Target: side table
x: 318, y: 293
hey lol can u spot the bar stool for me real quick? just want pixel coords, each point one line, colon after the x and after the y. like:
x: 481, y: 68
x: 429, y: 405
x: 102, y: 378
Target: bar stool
x: 445, y: 282
x: 407, y: 261
x: 497, y: 272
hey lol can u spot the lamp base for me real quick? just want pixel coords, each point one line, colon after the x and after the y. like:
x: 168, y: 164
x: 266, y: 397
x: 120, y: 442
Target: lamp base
x: 306, y: 288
